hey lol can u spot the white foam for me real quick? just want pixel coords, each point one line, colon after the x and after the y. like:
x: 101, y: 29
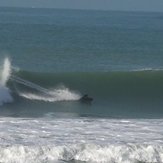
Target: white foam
x: 5, y: 96
x: 83, y: 139
x: 63, y: 94
x: 147, y: 69
x: 86, y: 153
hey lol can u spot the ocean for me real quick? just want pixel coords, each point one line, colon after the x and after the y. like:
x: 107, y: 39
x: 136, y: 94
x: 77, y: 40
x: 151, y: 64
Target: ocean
x: 50, y: 58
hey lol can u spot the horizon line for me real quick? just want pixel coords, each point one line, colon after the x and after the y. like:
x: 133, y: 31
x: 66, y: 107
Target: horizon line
x: 82, y: 9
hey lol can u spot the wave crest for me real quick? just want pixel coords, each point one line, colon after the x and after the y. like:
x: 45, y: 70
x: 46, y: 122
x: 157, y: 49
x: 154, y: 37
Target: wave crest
x: 5, y: 96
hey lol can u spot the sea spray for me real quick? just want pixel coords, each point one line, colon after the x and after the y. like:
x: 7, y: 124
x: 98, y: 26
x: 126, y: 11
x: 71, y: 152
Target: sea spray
x: 5, y: 96
x: 5, y: 72
x: 44, y: 94
x: 60, y: 94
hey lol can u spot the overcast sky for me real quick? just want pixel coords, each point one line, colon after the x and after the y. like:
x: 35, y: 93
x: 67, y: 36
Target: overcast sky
x: 131, y: 5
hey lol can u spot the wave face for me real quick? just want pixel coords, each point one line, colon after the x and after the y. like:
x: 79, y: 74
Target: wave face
x: 139, y: 84
x: 130, y: 94
x: 5, y: 96
x: 44, y: 94
x: 61, y: 94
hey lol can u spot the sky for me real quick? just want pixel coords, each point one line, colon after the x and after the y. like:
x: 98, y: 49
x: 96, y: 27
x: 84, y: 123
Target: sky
x: 124, y: 5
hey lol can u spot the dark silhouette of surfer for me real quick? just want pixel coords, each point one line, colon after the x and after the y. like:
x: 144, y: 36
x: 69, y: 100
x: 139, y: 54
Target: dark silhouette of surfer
x: 86, y: 99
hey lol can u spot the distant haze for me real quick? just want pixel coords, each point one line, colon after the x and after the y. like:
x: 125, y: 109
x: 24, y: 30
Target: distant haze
x: 125, y: 5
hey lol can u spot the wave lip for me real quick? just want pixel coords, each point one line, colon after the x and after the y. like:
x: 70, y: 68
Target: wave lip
x: 5, y: 96
x: 6, y: 72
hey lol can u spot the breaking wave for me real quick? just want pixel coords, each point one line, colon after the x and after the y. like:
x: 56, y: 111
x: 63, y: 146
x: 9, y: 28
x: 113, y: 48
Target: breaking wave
x: 44, y: 94
x: 83, y: 153
x: 39, y: 93
x: 132, y: 89
x: 5, y: 96
x: 134, y: 84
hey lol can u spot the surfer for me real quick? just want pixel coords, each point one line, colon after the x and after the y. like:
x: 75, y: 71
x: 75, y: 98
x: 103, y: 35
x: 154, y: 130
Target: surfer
x: 86, y: 98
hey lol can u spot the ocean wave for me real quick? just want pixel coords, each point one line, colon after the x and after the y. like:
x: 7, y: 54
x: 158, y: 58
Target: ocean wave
x: 134, y: 84
x: 136, y: 93
x: 44, y: 94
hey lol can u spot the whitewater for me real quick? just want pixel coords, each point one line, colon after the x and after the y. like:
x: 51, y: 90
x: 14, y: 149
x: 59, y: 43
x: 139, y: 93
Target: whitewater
x: 43, y: 94
x: 52, y: 139
x: 5, y: 96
